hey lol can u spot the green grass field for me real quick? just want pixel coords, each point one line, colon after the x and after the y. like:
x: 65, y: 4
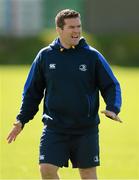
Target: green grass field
x: 119, y: 143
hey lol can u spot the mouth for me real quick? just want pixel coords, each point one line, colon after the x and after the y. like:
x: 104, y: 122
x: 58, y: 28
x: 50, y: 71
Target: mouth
x: 75, y: 37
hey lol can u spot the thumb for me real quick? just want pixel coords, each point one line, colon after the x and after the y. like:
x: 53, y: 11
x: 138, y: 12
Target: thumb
x: 103, y: 111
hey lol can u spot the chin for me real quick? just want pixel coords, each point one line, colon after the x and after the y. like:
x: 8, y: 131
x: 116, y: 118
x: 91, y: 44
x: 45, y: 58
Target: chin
x: 75, y: 43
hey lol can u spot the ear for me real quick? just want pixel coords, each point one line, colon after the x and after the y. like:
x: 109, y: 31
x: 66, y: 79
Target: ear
x: 58, y: 30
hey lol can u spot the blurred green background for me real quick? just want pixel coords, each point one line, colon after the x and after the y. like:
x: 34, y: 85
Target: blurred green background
x: 110, y: 26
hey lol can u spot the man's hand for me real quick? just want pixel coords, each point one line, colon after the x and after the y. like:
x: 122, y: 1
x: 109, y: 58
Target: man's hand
x: 14, y: 132
x: 111, y: 115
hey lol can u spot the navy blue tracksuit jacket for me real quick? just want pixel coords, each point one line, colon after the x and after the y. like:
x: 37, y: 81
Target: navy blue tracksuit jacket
x: 70, y: 81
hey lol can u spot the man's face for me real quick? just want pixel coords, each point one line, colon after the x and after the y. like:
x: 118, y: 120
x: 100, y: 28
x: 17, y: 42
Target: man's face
x: 71, y: 32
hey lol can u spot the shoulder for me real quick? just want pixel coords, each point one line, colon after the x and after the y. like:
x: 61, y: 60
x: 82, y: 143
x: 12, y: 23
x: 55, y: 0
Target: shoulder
x: 43, y: 53
x: 95, y: 53
x: 92, y: 50
x: 45, y: 50
x: 97, y: 56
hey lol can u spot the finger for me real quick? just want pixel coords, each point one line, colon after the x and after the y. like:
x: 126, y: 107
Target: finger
x: 9, y: 141
x: 108, y: 113
x: 111, y: 115
x: 11, y: 137
x: 15, y: 137
x: 118, y: 119
x: 8, y: 137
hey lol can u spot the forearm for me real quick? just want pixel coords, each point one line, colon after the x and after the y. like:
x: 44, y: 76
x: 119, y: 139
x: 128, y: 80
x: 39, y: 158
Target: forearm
x: 112, y: 97
x: 28, y: 110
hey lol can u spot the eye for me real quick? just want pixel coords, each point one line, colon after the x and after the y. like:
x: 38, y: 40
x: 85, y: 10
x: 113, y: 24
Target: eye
x: 71, y: 27
x: 79, y: 26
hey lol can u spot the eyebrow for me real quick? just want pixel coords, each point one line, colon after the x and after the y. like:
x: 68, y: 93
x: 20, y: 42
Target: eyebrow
x: 75, y: 26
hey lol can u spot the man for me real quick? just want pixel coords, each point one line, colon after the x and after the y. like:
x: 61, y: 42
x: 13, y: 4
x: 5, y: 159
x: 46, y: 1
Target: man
x: 69, y: 75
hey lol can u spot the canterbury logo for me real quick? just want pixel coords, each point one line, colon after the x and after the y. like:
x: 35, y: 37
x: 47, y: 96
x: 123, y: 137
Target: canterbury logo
x: 42, y: 157
x: 52, y: 66
x: 83, y: 67
x: 96, y: 159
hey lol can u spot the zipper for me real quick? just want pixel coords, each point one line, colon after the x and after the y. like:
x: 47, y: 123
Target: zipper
x: 89, y: 105
x: 46, y: 101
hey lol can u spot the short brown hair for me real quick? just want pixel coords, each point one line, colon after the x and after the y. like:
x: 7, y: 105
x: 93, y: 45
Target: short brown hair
x: 65, y: 14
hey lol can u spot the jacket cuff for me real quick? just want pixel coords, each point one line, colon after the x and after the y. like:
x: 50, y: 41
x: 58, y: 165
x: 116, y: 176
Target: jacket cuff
x: 113, y: 109
x: 23, y: 123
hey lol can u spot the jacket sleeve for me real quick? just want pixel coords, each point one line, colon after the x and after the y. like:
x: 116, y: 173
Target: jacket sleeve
x: 108, y: 85
x: 33, y: 92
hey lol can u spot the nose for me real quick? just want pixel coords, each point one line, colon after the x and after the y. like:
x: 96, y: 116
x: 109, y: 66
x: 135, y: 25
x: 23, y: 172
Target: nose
x: 77, y: 30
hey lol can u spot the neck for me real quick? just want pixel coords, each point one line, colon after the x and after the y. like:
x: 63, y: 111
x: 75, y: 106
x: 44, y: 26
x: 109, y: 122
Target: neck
x: 66, y: 46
